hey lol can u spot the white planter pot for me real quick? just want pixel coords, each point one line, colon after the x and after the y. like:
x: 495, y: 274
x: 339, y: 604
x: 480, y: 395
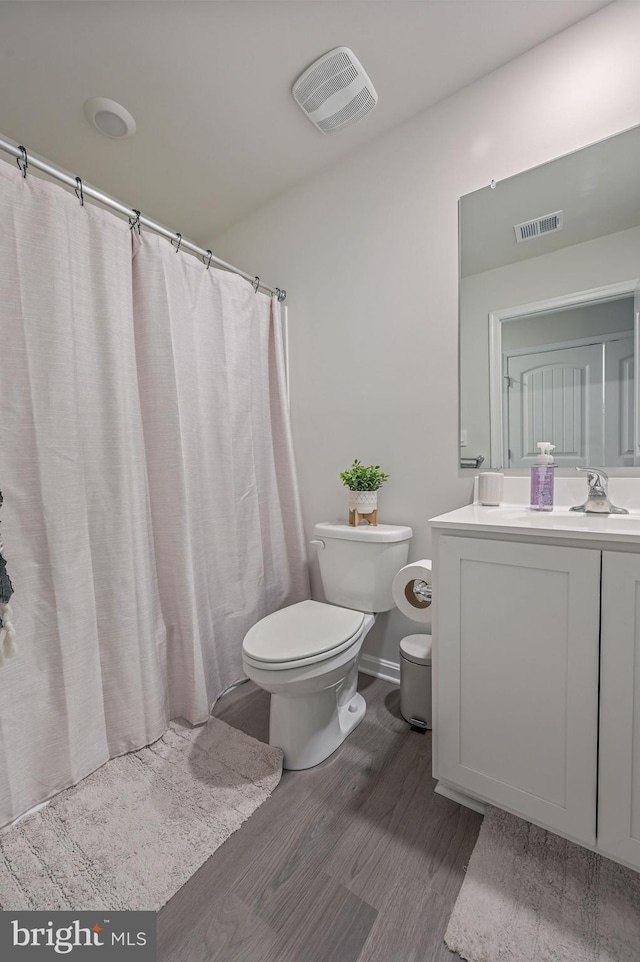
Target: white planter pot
x: 364, y: 502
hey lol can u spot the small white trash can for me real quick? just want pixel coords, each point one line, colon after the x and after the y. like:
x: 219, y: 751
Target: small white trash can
x: 415, y: 680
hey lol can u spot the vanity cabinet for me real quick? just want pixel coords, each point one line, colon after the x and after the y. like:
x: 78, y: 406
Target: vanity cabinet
x: 536, y: 670
x: 619, y: 750
x: 516, y: 669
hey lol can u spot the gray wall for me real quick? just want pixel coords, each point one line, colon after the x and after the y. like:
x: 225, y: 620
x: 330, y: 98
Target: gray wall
x: 612, y: 317
x: 368, y: 251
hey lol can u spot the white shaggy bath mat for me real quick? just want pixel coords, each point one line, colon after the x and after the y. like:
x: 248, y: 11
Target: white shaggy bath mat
x: 530, y: 896
x: 132, y: 833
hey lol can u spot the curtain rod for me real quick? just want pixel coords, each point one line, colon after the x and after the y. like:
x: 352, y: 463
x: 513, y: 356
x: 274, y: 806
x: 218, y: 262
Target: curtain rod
x: 135, y: 217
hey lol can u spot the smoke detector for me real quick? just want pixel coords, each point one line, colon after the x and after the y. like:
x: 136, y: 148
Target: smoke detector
x: 335, y: 91
x: 547, y: 224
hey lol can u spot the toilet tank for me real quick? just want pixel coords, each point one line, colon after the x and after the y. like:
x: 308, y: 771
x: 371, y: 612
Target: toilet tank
x: 358, y: 564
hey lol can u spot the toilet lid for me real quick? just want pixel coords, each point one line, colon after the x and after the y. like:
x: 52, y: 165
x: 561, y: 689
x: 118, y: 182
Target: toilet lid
x: 300, y: 631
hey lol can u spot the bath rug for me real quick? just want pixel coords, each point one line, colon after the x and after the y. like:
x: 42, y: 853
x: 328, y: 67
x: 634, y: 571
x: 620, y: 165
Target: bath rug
x: 530, y: 896
x: 131, y: 834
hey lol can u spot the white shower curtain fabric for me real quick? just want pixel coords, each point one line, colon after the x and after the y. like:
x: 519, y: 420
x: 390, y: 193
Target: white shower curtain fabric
x: 225, y: 509
x: 88, y: 679
x: 141, y: 537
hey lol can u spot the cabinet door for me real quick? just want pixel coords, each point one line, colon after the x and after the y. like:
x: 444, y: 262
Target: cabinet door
x: 516, y: 669
x: 619, y: 774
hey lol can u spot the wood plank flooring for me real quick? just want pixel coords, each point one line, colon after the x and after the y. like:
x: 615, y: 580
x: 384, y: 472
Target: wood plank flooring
x: 356, y: 860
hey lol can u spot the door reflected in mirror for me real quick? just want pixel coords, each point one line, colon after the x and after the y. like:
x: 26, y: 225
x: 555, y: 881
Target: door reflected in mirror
x: 549, y: 312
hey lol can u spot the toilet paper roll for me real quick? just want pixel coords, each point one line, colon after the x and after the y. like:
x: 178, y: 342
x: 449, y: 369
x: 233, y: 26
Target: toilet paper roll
x: 410, y: 591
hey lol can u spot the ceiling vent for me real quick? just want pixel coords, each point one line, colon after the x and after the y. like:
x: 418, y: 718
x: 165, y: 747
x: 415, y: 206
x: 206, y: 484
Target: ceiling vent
x: 547, y: 224
x: 335, y: 91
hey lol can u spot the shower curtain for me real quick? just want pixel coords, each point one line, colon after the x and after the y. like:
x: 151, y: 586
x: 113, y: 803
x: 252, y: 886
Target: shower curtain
x: 150, y: 506
x: 223, y: 497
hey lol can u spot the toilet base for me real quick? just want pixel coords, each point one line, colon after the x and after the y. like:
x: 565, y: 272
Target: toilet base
x: 310, y: 729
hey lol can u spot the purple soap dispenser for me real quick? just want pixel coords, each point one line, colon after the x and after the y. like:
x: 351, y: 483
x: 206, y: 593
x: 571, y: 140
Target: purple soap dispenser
x: 542, y: 478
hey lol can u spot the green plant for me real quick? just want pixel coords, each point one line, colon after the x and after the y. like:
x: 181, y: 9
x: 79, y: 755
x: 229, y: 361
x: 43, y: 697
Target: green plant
x: 361, y: 478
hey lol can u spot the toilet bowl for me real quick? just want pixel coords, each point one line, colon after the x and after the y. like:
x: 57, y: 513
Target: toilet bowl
x: 306, y: 655
x: 314, y: 702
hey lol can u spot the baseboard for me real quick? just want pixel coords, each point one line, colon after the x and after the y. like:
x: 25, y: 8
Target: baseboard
x: 467, y: 800
x: 380, y: 668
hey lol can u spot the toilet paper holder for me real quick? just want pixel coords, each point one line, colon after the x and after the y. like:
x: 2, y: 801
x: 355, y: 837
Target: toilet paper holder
x: 412, y: 590
x: 421, y: 591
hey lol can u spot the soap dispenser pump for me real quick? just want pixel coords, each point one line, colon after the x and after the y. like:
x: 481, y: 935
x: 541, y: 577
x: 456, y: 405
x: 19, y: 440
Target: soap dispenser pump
x: 542, y: 474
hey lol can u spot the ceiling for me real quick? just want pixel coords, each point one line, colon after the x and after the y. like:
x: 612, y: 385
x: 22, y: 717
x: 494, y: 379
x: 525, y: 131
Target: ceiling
x: 597, y: 189
x: 209, y: 84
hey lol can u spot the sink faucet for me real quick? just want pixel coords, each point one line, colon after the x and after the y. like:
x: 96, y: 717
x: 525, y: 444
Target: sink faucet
x: 598, y: 496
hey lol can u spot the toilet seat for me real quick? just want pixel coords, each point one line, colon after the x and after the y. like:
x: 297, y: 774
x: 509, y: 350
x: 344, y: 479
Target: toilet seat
x: 301, y: 634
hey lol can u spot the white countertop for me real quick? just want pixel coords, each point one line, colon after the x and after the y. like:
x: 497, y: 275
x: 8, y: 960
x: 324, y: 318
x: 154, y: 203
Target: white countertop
x: 561, y: 523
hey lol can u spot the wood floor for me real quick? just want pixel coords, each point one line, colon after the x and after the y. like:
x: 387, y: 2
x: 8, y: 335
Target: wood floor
x: 356, y: 860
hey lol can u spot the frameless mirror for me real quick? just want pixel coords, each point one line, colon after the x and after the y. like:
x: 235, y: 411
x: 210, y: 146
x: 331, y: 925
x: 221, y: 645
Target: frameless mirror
x: 549, y: 312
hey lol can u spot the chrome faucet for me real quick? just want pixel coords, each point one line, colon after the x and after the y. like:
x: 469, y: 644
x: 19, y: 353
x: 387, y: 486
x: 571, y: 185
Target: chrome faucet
x: 598, y: 501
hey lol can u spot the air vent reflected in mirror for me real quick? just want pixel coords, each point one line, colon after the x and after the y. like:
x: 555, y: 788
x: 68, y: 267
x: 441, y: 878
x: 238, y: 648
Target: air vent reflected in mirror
x: 547, y: 224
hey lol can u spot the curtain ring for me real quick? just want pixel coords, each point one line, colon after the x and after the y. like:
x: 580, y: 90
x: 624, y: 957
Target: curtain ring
x: 135, y: 224
x: 79, y: 191
x: 256, y: 284
x: 208, y: 263
x: 25, y: 161
x: 179, y: 236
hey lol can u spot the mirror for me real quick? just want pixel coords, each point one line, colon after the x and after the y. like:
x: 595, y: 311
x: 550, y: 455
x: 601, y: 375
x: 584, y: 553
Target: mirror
x: 549, y: 312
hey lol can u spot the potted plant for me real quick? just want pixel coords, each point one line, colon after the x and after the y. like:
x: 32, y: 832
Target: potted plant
x: 363, y: 483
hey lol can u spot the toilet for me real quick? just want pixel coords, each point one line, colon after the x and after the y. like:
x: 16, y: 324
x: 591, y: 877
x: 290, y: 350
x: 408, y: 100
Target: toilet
x: 306, y: 655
